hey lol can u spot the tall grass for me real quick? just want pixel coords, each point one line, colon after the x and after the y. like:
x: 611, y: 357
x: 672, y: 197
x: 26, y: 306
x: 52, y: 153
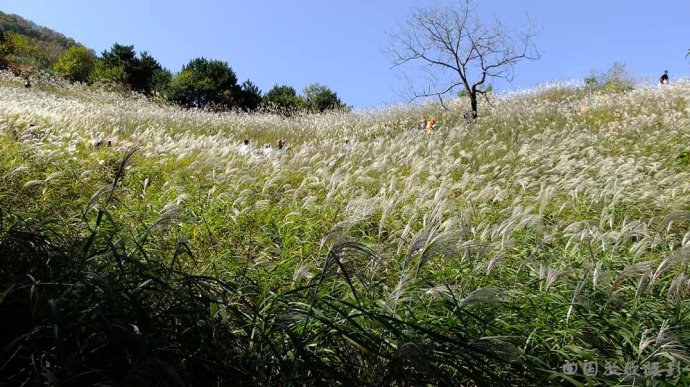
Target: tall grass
x: 552, y: 230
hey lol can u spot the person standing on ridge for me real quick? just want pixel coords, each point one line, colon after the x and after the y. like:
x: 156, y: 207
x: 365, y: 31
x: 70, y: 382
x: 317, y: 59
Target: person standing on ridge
x: 664, y: 78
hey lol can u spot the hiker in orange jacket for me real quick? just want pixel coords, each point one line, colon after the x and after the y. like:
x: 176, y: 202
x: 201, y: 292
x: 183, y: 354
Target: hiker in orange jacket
x: 430, y: 124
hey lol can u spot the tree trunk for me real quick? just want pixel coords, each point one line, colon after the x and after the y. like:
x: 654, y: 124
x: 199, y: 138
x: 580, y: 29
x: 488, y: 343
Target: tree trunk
x: 473, y: 102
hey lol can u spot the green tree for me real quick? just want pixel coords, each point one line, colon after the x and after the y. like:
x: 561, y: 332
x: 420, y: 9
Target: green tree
x: 5, y: 50
x: 146, y: 72
x: 116, y: 65
x: 283, y: 98
x: 250, y: 96
x: 205, y: 83
x: 162, y: 79
x: 319, y: 98
x: 121, y: 65
x: 76, y: 64
x: 23, y: 52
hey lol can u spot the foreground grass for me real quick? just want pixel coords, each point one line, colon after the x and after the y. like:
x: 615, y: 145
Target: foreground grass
x: 553, y: 230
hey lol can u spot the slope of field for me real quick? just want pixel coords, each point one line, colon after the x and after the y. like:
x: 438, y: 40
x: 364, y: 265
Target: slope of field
x: 552, y: 231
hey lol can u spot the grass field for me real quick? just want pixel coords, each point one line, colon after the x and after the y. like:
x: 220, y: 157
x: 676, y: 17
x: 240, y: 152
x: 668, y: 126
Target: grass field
x: 553, y: 231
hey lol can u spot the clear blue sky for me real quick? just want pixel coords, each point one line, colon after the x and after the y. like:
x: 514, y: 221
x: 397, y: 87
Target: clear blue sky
x: 339, y: 43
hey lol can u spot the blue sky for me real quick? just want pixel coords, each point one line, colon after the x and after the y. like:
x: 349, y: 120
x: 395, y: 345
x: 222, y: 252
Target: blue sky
x: 339, y: 43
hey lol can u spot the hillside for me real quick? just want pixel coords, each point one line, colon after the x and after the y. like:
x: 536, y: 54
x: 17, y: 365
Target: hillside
x: 552, y: 231
x: 37, y: 46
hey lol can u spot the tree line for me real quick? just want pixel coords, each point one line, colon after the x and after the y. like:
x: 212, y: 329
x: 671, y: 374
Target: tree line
x: 202, y: 83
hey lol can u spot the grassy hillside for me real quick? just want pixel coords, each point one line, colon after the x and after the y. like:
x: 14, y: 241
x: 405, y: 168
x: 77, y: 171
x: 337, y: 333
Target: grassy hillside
x: 33, y: 45
x: 553, y: 230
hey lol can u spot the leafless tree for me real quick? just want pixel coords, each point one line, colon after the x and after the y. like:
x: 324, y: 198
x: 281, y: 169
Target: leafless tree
x: 455, y: 49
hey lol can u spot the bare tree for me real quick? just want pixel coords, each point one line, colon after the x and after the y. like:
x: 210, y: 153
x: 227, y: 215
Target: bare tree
x: 454, y: 49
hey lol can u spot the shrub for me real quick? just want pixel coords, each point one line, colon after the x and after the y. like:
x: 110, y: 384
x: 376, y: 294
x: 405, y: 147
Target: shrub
x: 76, y: 64
x: 616, y: 79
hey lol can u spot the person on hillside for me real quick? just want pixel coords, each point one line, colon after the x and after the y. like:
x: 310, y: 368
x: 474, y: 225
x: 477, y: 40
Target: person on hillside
x: 99, y: 141
x: 245, y: 148
x: 346, y: 144
x: 268, y: 150
x: 430, y: 125
x: 664, y: 78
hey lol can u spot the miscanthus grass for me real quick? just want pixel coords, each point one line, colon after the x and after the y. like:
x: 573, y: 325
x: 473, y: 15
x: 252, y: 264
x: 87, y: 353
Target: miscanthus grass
x: 140, y: 242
